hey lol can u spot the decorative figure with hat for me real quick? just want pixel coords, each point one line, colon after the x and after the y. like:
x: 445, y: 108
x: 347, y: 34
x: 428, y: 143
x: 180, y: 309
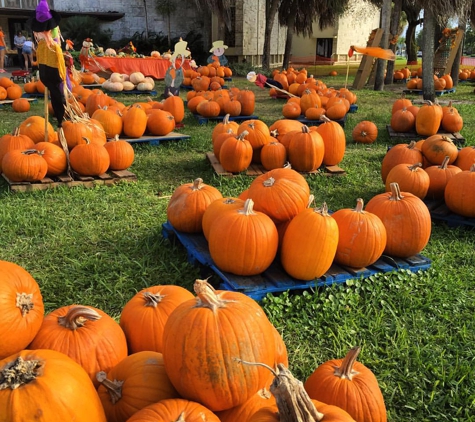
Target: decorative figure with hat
x: 262, y: 81
x: 218, y: 56
x: 174, y: 74
x: 52, y: 67
x: 85, y: 53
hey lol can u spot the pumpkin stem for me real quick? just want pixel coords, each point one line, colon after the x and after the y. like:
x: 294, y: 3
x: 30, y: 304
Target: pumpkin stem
x: 114, y: 388
x: 323, y: 210
x: 207, y: 296
x: 152, y: 299
x: 181, y: 418
x: 325, y: 118
x: 412, y: 145
x: 269, y: 182
x: 19, y: 372
x: 472, y: 168
x: 395, y: 192
x: 359, y: 205
x: 292, y: 400
x: 248, y: 208
x: 77, y: 317
x: 305, y: 129
x: 345, y: 371
x: 197, y: 184
x: 242, y: 135
x: 24, y: 301
x: 245, y: 362
x: 415, y: 167
x: 226, y: 119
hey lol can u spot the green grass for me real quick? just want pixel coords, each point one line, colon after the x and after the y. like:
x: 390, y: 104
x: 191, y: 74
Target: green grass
x: 99, y: 246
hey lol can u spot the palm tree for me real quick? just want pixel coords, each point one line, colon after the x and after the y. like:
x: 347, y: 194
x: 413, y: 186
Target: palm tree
x: 412, y: 12
x: 166, y: 8
x: 271, y: 10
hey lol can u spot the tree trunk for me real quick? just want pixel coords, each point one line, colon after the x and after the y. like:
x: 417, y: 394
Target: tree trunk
x: 169, y: 31
x: 394, y: 34
x: 428, y: 90
x: 381, y: 64
x: 288, y: 40
x: 411, y: 49
x: 146, y: 18
x: 454, y: 72
x: 271, y: 11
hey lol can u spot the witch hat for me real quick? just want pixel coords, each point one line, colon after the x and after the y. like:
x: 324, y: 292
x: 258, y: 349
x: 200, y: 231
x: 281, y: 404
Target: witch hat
x: 44, y: 19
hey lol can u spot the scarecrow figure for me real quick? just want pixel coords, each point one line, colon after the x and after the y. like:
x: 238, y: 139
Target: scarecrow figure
x: 174, y: 74
x: 52, y: 68
x: 85, y: 53
x: 218, y: 56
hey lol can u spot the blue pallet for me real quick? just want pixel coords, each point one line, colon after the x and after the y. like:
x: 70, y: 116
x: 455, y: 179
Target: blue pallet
x: 32, y: 95
x: 440, y: 212
x: 156, y: 140
x: 275, y: 279
x: 438, y: 93
x: 204, y: 120
x: 132, y: 92
x: 353, y: 108
x: 308, y: 122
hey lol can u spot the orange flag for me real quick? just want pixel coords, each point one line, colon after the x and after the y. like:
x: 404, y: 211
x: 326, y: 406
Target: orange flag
x: 378, y: 52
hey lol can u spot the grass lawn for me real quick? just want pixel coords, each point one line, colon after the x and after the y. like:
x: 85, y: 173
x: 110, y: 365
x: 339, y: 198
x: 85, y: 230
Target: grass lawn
x: 417, y: 330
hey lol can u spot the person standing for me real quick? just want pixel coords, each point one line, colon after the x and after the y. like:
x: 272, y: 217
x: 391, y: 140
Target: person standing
x: 2, y: 51
x: 28, y: 48
x: 19, y: 40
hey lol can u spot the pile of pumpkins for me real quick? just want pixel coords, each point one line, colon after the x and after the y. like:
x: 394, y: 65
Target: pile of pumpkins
x: 274, y: 218
x: 402, y: 74
x: 426, y: 120
x: 206, y: 77
x: 467, y: 74
x: 312, y: 102
x: 118, y: 82
x: 9, y: 90
x: 210, y: 356
x: 211, y: 104
x: 434, y: 169
x: 237, y: 145
x: 29, y: 155
x: 440, y: 83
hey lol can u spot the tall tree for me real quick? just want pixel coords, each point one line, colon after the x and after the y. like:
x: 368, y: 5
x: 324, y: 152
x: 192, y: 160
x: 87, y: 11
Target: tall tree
x: 394, y: 32
x: 166, y: 8
x: 271, y: 10
x: 381, y: 64
x: 412, y: 12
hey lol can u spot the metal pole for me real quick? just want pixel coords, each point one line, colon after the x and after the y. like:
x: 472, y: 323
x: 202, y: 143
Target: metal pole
x: 46, y: 114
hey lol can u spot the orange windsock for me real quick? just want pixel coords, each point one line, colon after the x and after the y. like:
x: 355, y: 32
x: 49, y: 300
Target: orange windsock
x: 378, y: 52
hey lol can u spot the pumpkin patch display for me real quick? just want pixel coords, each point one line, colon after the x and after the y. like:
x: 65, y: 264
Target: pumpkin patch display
x: 204, y: 337
x: 350, y: 385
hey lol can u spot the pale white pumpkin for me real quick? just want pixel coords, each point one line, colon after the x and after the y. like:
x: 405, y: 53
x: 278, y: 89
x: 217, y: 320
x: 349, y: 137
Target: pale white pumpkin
x: 116, y: 77
x: 144, y: 86
x: 128, y: 86
x: 110, y: 52
x: 136, y: 77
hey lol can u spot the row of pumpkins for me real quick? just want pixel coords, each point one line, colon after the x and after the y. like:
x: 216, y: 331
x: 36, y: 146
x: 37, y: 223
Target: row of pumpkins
x: 333, y: 104
x: 305, y: 148
x: 9, y: 90
x: 426, y: 120
x: 23, y: 159
x: 173, y: 356
x: 210, y: 104
x: 434, y: 168
x: 274, y: 217
x: 206, y: 77
x: 118, y: 82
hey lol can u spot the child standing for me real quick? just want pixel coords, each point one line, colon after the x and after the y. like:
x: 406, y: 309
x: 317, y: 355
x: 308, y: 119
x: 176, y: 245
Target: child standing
x: 2, y: 51
x: 28, y: 48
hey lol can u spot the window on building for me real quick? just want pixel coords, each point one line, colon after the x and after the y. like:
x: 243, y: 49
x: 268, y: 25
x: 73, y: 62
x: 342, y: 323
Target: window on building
x: 324, y: 47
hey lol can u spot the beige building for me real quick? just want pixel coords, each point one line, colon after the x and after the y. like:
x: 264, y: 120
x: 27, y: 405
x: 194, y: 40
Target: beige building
x: 332, y: 44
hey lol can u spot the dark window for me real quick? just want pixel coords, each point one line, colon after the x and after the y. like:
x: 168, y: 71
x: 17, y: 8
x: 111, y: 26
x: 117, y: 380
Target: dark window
x: 324, y: 47
x: 230, y: 35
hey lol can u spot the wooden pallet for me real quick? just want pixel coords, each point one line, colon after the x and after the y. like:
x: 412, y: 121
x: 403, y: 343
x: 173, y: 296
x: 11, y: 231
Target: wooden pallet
x: 10, y: 102
x: 108, y: 179
x: 275, y: 279
x: 440, y: 212
x: 255, y: 170
x: 438, y: 93
x: 156, y: 140
x: 456, y: 137
x: 204, y: 120
x: 151, y: 93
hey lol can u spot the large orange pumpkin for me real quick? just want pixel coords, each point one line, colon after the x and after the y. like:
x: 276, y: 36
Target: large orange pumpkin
x: 460, y: 193
x: 407, y: 221
x: 334, y: 141
x: 306, y: 150
x: 54, y: 156
x: 34, y: 127
x: 439, y: 176
x: 24, y: 165
x: 365, y: 132
x: 144, y: 316
x: 175, y: 106
x: 204, y: 337
x: 35, y: 377
x: 22, y: 308
x: 15, y: 140
x: 350, y: 385
x: 428, y: 119
x: 89, y: 159
x: 188, y: 203
x: 309, y: 244
x: 87, y: 335
x: 362, y: 236
x: 121, y: 154
x: 238, y: 252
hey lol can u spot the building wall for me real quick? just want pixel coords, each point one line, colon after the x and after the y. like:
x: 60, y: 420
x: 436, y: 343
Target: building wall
x: 182, y: 21
x: 353, y: 28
